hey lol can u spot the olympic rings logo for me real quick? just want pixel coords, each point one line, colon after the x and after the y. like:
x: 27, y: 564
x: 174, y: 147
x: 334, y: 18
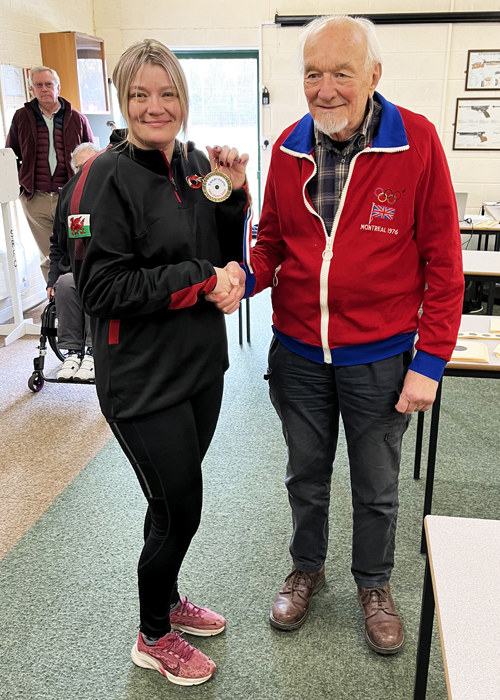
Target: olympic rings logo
x: 387, y: 195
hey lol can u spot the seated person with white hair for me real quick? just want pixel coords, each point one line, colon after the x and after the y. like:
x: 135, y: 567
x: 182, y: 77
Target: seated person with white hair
x: 77, y: 366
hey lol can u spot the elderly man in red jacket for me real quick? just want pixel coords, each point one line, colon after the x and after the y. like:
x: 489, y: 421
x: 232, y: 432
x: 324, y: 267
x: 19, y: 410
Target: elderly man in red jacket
x: 43, y: 135
x: 358, y: 235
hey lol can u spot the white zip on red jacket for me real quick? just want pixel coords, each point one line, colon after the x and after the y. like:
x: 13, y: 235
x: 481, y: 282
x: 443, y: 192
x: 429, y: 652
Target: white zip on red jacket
x: 354, y: 296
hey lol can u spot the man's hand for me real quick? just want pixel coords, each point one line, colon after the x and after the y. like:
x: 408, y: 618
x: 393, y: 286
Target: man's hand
x: 229, y: 289
x: 50, y: 292
x: 418, y: 393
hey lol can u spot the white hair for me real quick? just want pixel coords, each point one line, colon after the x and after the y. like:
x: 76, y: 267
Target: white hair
x: 39, y: 69
x: 373, y: 52
x: 87, y: 145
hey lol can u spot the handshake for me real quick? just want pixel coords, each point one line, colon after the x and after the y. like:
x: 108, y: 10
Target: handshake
x: 229, y: 289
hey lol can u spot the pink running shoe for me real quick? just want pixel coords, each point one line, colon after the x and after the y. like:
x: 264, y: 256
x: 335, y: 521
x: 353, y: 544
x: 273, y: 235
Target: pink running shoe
x: 175, y: 658
x: 198, y: 621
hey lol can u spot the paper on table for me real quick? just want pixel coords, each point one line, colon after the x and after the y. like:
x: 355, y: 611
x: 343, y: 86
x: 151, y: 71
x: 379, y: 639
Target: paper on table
x: 489, y: 223
x: 475, y: 335
x: 470, y: 351
x: 497, y: 350
x: 495, y: 325
x: 493, y: 210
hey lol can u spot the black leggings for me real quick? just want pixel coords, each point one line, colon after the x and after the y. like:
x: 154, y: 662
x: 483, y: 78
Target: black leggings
x: 166, y: 451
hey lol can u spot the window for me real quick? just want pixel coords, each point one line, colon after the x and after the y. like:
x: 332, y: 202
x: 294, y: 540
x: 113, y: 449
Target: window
x: 224, y: 106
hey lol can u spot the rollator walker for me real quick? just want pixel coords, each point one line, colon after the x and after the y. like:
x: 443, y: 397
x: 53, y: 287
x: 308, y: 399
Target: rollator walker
x: 48, y: 333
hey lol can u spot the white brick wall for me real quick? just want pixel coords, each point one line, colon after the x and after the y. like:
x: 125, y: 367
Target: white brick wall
x: 414, y: 55
x: 22, y: 22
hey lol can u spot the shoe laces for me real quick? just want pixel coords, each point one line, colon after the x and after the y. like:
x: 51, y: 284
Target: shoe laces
x: 173, y: 643
x: 187, y: 608
x: 376, y: 595
x: 299, y: 580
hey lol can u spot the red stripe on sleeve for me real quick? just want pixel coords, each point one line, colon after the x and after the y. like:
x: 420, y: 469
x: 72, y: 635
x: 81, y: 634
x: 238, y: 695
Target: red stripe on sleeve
x: 114, y: 331
x: 189, y: 296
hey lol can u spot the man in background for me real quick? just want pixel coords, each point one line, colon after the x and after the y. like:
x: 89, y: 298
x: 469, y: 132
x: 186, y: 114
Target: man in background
x: 43, y: 135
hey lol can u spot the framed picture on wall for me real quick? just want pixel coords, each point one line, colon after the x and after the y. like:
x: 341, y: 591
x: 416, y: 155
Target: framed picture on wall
x: 483, y: 70
x: 477, y: 125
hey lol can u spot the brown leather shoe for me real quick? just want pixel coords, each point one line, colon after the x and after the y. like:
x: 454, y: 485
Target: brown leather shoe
x: 291, y: 605
x: 383, y: 627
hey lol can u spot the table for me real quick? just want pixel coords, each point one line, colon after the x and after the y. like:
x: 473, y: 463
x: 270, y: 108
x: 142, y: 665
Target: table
x: 462, y: 580
x: 481, y: 265
x: 480, y: 232
x: 478, y: 324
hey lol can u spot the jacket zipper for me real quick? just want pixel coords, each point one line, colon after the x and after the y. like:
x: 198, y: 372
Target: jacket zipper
x: 325, y: 267
x: 327, y: 253
x: 170, y: 177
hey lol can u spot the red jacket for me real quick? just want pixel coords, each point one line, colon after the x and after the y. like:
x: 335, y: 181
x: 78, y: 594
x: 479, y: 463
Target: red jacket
x: 23, y: 138
x: 394, y: 247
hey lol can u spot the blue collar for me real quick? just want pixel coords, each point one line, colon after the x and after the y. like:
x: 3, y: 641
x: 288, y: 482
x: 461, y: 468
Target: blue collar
x: 391, y: 132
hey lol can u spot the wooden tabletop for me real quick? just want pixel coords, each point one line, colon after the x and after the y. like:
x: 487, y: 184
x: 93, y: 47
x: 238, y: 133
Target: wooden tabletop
x: 464, y: 557
x: 481, y: 262
x: 494, y: 227
x: 478, y: 324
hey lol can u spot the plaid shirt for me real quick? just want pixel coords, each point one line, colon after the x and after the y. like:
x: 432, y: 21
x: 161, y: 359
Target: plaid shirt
x: 325, y: 188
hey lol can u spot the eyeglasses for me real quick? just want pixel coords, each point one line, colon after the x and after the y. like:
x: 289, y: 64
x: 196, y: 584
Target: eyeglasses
x: 48, y: 85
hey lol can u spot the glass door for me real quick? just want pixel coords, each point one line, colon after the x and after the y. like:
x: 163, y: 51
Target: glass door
x: 224, y: 108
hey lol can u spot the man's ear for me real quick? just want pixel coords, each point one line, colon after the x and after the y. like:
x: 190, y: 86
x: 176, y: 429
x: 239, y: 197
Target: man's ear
x: 376, y: 75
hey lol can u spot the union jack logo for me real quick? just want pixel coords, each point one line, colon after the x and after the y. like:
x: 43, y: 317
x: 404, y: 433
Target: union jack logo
x: 379, y: 212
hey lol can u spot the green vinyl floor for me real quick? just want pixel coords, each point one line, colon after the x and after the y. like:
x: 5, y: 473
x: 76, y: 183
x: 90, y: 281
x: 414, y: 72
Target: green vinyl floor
x: 68, y: 605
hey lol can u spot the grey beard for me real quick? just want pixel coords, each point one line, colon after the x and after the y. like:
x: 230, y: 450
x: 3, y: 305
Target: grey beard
x: 330, y: 128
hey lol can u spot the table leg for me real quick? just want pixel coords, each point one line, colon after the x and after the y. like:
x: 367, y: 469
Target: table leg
x: 240, y: 324
x: 491, y: 297
x: 418, y: 445
x: 247, y: 309
x: 431, y: 462
x: 424, y: 636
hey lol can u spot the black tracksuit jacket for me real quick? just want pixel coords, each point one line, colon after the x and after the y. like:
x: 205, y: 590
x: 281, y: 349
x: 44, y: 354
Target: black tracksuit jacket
x: 143, y: 273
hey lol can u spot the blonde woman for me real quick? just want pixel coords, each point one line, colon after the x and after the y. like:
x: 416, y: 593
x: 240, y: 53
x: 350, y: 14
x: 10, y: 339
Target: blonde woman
x: 148, y: 249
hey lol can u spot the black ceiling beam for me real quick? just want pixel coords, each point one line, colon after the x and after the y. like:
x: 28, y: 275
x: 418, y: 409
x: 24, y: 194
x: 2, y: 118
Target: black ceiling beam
x: 401, y: 18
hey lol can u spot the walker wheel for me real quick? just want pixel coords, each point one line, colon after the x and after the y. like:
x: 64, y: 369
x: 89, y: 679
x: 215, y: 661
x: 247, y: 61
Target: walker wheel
x: 35, y: 382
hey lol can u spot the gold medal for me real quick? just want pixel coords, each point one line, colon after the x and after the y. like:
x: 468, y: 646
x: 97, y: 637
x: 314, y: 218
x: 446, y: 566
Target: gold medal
x: 217, y: 186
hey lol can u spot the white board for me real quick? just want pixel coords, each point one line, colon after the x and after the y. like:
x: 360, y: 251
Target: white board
x: 9, y: 182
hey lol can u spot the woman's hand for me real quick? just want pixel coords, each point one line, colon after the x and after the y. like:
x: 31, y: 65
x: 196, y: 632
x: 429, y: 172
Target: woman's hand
x: 229, y: 289
x: 227, y: 278
x: 230, y: 163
